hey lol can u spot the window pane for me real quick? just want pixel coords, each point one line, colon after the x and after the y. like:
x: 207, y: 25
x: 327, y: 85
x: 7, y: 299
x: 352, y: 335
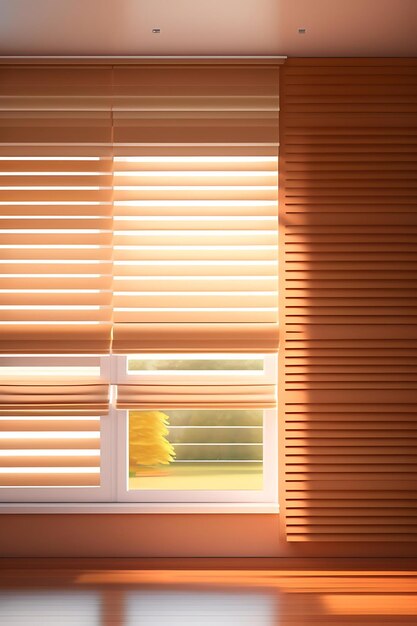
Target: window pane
x: 202, y: 449
x: 199, y: 363
x: 51, y: 366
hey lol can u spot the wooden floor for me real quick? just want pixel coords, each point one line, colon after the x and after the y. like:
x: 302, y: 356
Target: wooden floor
x: 219, y: 592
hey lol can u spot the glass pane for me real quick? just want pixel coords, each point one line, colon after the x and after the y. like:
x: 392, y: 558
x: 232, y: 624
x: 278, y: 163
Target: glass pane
x: 49, y: 366
x: 199, y: 363
x: 219, y: 449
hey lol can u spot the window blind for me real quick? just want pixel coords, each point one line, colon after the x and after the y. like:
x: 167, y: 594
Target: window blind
x: 194, y: 239
x: 50, y: 432
x: 55, y: 209
x: 138, y: 213
x: 182, y: 395
x: 34, y: 398
x: 51, y: 425
x: 195, y: 201
x: 348, y: 390
x: 49, y: 450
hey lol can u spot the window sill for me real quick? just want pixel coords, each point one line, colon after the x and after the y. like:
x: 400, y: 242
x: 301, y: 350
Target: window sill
x: 137, y: 508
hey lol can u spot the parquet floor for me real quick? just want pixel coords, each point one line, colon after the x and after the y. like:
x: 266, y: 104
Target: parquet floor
x: 207, y: 592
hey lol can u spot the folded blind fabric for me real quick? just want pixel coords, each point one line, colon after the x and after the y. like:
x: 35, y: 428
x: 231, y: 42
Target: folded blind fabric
x: 160, y: 396
x: 58, y: 398
x: 55, y: 210
x: 195, y: 201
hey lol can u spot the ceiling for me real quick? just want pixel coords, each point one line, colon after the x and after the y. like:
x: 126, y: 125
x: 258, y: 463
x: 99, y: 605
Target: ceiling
x: 209, y: 27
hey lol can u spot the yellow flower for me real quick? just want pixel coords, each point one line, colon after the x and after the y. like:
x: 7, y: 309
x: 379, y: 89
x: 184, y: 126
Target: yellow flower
x: 147, y: 439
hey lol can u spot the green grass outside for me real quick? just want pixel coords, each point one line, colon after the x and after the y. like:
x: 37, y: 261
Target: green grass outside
x: 205, y: 476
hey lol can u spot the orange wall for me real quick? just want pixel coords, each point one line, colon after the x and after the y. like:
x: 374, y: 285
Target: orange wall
x: 130, y: 535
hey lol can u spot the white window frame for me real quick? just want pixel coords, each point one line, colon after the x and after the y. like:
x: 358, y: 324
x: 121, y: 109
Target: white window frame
x: 113, y: 494
x: 269, y: 493
x: 105, y: 492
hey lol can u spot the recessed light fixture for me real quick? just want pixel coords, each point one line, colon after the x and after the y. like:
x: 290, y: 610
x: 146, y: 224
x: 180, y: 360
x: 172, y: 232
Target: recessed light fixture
x: 156, y: 30
x: 301, y: 31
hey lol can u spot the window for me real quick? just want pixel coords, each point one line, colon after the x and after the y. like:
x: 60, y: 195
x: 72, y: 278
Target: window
x: 197, y: 427
x: 55, y: 432
x: 181, y: 428
x: 139, y: 282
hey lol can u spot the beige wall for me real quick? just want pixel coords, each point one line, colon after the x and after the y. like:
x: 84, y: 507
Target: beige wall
x: 105, y: 27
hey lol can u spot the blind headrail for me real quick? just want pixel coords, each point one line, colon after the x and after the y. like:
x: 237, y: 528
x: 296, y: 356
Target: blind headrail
x: 135, y: 60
